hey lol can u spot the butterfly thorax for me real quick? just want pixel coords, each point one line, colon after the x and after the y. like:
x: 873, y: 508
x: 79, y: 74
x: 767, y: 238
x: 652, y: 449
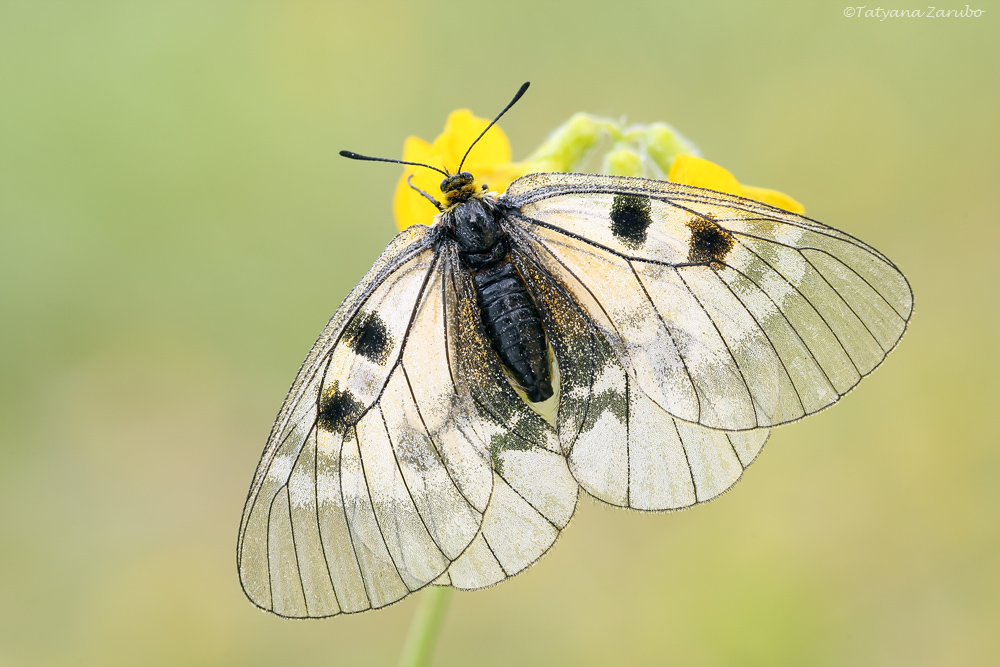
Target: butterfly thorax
x: 510, y: 317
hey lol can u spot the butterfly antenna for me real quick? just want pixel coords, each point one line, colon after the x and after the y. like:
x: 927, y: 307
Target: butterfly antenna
x: 357, y: 156
x: 517, y: 96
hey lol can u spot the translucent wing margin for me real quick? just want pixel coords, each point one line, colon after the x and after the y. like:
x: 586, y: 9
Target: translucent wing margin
x: 377, y: 474
x: 726, y: 312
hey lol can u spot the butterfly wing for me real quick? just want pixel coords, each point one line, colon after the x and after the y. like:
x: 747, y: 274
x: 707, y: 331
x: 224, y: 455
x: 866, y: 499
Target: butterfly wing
x: 726, y: 312
x: 621, y: 447
x: 377, y: 473
x: 534, y: 493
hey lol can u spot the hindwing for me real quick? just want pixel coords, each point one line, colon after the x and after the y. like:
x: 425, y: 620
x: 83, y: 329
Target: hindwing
x: 534, y: 493
x: 621, y: 447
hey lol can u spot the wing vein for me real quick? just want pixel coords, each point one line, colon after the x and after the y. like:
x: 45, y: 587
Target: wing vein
x: 811, y: 305
x: 628, y: 442
x: 791, y: 326
x: 784, y: 367
x: 392, y: 447
x: 844, y: 301
x: 315, y: 488
x: 725, y: 343
x: 673, y: 341
x: 378, y: 523
x: 586, y: 241
x: 423, y: 424
x: 528, y: 502
x: 506, y: 574
x: 295, y: 547
x: 687, y: 460
x: 862, y: 279
x: 347, y: 520
x: 729, y: 439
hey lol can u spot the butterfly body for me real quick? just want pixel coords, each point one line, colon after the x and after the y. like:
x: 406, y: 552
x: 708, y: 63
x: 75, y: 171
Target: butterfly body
x: 507, y: 311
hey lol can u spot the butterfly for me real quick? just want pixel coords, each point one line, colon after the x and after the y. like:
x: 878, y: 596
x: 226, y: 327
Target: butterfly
x: 633, y: 338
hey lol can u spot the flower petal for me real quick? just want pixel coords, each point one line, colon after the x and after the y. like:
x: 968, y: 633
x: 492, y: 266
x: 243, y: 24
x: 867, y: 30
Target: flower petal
x: 460, y: 131
x: 701, y: 173
x: 416, y: 149
x: 774, y: 198
x: 409, y: 207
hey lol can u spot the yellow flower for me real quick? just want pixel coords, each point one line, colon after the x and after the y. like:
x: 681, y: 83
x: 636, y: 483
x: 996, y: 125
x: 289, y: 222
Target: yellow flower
x: 489, y: 161
x: 696, y: 171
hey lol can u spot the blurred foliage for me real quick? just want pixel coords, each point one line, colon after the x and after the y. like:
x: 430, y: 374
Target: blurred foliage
x: 176, y: 227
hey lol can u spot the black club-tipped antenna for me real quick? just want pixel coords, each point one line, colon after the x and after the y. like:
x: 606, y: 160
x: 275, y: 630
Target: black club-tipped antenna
x: 357, y: 156
x: 517, y: 96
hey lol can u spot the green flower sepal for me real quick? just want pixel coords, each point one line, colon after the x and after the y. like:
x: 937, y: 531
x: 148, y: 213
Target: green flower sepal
x: 633, y: 150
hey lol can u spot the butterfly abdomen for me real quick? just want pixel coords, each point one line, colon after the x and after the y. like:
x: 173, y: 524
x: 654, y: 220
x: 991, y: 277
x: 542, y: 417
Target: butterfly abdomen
x: 514, y: 327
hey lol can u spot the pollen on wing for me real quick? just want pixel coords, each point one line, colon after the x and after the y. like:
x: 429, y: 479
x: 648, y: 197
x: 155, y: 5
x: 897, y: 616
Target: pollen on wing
x: 709, y: 243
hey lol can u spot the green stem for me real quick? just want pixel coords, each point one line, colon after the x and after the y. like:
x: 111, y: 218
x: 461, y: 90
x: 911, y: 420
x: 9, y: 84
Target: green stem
x: 425, y: 627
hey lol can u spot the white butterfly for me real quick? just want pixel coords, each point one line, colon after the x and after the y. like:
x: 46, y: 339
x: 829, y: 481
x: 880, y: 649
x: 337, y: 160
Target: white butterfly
x: 672, y: 326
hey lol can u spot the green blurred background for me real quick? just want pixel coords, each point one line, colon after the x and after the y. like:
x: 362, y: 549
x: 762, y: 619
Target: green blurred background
x: 176, y: 227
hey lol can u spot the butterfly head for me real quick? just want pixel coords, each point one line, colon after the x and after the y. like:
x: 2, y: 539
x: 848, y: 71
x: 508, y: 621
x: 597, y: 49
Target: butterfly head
x: 460, y: 188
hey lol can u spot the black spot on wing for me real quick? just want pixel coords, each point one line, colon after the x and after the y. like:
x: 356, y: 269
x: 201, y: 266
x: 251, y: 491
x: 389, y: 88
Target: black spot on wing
x: 368, y: 336
x: 710, y: 243
x: 338, y: 409
x: 630, y: 219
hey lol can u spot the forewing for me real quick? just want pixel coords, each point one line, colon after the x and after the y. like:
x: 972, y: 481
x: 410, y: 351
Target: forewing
x: 376, y: 475
x: 534, y: 493
x: 622, y: 448
x: 726, y: 312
